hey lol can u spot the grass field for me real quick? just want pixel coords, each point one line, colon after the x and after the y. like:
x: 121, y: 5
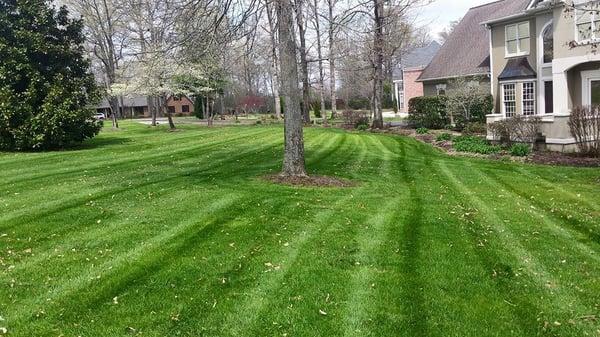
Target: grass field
x: 151, y: 233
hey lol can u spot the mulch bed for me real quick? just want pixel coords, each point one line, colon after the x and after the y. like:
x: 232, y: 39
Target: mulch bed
x: 309, y: 181
x: 562, y: 159
x: 542, y: 157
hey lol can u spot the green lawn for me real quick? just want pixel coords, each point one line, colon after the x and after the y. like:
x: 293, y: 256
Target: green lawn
x: 151, y: 233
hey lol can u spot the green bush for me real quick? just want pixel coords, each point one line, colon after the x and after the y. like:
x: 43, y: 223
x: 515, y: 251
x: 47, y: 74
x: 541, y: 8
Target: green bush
x: 520, y: 150
x: 46, y: 87
x: 353, y: 119
x: 362, y: 127
x: 427, y: 112
x: 443, y: 137
x: 422, y: 131
x: 474, y: 145
x: 475, y: 128
x: 317, y: 109
x: 478, y: 106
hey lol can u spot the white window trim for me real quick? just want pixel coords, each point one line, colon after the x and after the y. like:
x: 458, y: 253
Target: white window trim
x: 592, y: 23
x: 441, y: 86
x: 503, y: 102
x: 586, y: 80
x: 523, y: 100
x: 519, y: 52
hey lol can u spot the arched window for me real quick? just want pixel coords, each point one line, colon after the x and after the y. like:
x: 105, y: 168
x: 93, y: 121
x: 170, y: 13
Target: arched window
x: 548, y: 44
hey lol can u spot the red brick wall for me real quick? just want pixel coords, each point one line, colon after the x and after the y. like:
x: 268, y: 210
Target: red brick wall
x: 412, y: 88
x: 179, y: 103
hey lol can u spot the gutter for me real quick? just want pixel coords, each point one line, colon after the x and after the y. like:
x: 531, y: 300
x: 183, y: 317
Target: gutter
x: 487, y: 74
x: 524, y: 14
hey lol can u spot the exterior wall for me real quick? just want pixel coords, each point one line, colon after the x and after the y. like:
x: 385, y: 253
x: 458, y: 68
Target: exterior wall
x: 178, y: 104
x: 499, y: 58
x: 565, y: 36
x: 412, y: 88
x: 429, y: 87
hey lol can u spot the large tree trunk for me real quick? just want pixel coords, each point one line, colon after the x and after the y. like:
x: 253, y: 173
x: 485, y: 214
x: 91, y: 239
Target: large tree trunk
x: 293, y: 158
x: 275, y: 68
x: 332, y: 84
x: 152, y: 108
x: 378, y: 65
x: 303, y: 61
x: 320, y: 56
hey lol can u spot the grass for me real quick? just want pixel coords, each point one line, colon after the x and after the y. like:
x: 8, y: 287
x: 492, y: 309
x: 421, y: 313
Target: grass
x: 151, y: 233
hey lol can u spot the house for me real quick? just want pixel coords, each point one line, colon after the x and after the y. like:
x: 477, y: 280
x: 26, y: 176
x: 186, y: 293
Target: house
x: 137, y: 106
x: 408, y: 71
x: 538, y: 58
x: 544, y: 63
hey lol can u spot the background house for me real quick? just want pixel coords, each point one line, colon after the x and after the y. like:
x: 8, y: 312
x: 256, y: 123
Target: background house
x: 408, y: 71
x: 137, y: 106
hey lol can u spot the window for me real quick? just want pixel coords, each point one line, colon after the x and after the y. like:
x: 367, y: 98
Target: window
x: 548, y: 42
x: 185, y: 108
x: 171, y: 109
x: 528, y: 98
x: 509, y: 99
x: 595, y: 93
x: 517, y: 39
x: 441, y: 89
x: 548, y: 97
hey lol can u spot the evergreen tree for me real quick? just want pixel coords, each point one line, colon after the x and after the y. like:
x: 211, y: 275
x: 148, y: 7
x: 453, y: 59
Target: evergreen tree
x: 46, y: 88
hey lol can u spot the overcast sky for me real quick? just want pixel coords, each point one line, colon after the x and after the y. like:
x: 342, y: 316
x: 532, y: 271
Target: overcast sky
x: 440, y: 13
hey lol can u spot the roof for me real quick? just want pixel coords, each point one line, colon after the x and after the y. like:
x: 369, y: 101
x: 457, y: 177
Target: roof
x: 517, y: 68
x: 131, y: 101
x: 417, y: 58
x: 465, y: 51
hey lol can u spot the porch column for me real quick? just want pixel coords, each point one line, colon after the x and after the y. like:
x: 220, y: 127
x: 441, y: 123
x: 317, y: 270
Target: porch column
x: 560, y: 90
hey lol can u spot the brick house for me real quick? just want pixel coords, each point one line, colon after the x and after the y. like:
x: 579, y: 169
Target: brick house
x: 137, y: 106
x: 406, y: 74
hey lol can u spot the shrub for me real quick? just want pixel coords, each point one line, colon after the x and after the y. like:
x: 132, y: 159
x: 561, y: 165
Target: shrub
x: 422, y: 131
x: 468, y: 101
x: 584, y: 124
x: 428, y: 112
x: 517, y: 129
x: 474, y: 144
x: 352, y: 119
x: 359, y: 103
x: 362, y: 127
x: 475, y: 128
x: 520, y: 150
x: 317, y: 109
x: 47, y: 87
x: 443, y: 137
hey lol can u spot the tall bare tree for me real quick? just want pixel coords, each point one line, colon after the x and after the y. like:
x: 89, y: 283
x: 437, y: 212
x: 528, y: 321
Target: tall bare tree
x: 303, y: 60
x: 274, y: 62
x: 293, y: 159
x: 317, y: 26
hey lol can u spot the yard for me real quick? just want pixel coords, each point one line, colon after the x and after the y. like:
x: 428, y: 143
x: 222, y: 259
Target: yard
x: 154, y: 233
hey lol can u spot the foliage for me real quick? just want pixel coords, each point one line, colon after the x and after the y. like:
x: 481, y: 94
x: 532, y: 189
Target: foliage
x: 422, y: 130
x: 352, y: 119
x: 317, y: 109
x: 520, y: 150
x: 517, y: 129
x: 46, y: 88
x: 199, y: 107
x: 468, y: 101
x: 443, y: 137
x: 359, y: 103
x: 362, y: 127
x: 474, y: 144
x: 388, y: 100
x: 428, y: 112
x: 584, y: 124
x: 475, y: 128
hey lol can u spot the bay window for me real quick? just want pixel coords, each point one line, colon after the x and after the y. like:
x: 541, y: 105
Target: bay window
x: 509, y: 99
x: 528, y: 98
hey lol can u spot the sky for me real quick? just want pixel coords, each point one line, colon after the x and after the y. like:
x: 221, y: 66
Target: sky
x: 438, y: 15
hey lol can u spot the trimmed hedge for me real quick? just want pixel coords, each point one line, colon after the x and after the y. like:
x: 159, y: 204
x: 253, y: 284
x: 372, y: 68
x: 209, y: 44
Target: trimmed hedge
x: 428, y: 112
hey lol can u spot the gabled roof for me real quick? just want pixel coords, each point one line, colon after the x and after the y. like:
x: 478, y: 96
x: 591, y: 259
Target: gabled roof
x: 465, y: 51
x: 417, y: 58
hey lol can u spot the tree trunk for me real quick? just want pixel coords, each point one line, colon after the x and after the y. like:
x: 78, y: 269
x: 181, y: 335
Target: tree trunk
x: 293, y: 159
x: 320, y: 56
x: 332, y: 84
x: 303, y: 61
x: 275, y: 68
x: 378, y: 65
x: 114, y: 107
x: 152, y: 109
